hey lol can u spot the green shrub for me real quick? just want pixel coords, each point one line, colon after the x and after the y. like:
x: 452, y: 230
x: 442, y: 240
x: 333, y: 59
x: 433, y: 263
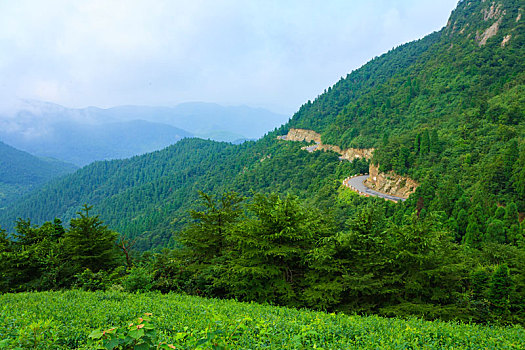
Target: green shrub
x: 138, y: 280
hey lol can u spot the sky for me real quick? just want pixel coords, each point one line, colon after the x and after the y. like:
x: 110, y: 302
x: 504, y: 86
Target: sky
x: 275, y: 54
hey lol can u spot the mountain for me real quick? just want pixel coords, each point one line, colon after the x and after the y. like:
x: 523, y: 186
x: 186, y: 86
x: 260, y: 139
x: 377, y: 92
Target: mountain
x: 21, y: 172
x: 82, y: 144
x: 207, y: 120
x: 442, y: 118
x: 148, y: 196
x: 81, y: 136
x: 446, y: 111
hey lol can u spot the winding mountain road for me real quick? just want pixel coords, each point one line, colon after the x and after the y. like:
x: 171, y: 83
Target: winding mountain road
x: 357, y: 183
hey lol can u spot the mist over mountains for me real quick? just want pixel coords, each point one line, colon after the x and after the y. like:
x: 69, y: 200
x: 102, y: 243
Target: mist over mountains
x: 81, y: 136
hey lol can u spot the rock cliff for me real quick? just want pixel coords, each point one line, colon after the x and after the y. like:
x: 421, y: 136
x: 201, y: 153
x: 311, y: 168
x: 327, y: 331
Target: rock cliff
x: 310, y: 135
x: 390, y: 183
x: 302, y: 135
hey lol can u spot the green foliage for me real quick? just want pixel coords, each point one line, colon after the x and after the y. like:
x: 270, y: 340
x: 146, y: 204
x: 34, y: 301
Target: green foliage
x: 89, y: 244
x: 139, y: 334
x: 51, y: 257
x: 21, y: 172
x: 139, y: 279
x: 499, y: 292
x: 101, y: 280
x: 444, y: 110
x: 142, y: 334
x: 68, y: 318
x: 206, y: 236
x: 266, y: 261
x: 147, y: 197
x: 441, y: 109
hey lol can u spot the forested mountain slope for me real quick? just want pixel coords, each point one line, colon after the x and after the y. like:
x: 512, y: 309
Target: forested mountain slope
x: 149, y: 195
x: 21, y: 172
x: 448, y: 110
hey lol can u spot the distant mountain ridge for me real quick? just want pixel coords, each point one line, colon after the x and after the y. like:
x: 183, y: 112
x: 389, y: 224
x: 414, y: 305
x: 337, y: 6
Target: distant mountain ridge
x: 81, y: 136
x: 21, y: 172
x: 203, y: 119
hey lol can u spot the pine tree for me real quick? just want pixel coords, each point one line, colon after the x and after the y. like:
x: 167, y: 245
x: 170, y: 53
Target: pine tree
x: 417, y: 142
x: 435, y: 145
x: 425, y: 143
x: 267, y: 262
x: 475, y: 227
x: 499, y: 213
x: 495, y: 232
x: 206, y: 235
x: 89, y: 244
x: 204, y: 242
x: 511, y: 215
x: 5, y: 264
x: 499, y: 292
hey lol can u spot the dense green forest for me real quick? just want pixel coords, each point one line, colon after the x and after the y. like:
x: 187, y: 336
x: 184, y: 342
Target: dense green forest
x: 21, y: 172
x: 278, y: 249
x: 267, y: 221
x: 149, y: 195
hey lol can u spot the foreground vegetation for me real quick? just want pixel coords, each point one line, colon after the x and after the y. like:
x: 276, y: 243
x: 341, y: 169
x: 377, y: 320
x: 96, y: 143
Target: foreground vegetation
x: 277, y: 249
x: 64, y: 320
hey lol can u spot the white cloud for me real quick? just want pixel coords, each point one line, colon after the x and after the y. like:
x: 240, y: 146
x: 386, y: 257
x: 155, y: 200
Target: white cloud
x: 261, y: 52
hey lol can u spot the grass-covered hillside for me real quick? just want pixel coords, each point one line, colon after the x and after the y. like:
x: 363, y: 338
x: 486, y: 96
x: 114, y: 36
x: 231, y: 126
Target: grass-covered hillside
x: 21, y: 172
x: 64, y: 320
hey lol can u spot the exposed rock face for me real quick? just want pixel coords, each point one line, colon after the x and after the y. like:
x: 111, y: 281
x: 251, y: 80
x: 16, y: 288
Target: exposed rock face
x: 487, y: 34
x: 302, y: 135
x: 506, y: 40
x: 352, y: 153
x: 310, y: 135
x: 390, y: 183
x: 492, y: 12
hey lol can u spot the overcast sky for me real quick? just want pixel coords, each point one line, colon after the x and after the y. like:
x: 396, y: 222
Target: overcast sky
x: 263, y: 53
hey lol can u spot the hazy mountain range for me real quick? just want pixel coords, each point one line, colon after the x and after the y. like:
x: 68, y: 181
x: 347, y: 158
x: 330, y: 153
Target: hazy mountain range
x: 81, y: 136
x: 21, y: 172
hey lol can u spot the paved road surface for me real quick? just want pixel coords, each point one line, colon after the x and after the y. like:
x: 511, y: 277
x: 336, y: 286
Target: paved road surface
x: 357, y: 183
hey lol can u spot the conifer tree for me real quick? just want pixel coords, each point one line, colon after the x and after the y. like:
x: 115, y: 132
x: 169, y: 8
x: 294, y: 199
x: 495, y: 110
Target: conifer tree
x: 511, y: 215
x: 425, y: 143
x: 89, y: 244
x: 499, y: 291
x: 435, y: 145
x: 475, y: 229
x: 495, y: 232
x: 499, y: 213
x: 206, y: 235
x: 268, y: 257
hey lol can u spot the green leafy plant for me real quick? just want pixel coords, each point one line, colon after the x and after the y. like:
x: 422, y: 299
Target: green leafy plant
x: 139, y: 334
x: 36, y: 335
